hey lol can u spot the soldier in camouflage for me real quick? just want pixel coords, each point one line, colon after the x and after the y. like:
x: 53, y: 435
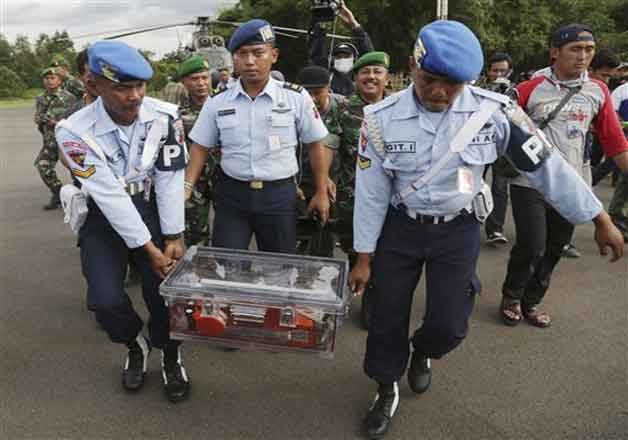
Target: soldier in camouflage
x: 316, y: 239
x: 51, y: 106
x: 194, y: 76
x: 70, y: 83
x: 371, y: 76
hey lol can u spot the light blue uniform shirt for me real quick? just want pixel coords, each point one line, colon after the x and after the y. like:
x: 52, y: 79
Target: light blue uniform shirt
x: 102, y: 180
x: 258, y: 137
x: 413, y: 145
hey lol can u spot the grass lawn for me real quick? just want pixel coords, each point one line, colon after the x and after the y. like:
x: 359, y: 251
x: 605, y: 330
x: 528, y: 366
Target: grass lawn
x: 27, y: 99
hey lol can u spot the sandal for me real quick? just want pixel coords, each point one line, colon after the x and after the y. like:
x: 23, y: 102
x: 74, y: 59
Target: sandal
x: 536, y: 318
x: 510, y: 311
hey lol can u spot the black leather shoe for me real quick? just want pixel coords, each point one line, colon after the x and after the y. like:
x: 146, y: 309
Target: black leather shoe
x: 379, y: 418
x: 419, y: 373
x: 136, y: 364
x: 176, y: 384
x: 54, y: 203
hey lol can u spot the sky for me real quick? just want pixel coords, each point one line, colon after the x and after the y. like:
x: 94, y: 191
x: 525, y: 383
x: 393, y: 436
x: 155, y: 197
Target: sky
x: 81, y: 17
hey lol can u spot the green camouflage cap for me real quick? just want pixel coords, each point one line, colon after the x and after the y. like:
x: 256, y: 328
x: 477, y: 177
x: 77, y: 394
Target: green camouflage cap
x: 48, y: 71
x: 58, y: 60
x: 192, y: 65
x: 372, y: 58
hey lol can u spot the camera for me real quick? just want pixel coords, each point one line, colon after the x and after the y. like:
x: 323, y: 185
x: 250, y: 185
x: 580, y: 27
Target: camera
x: 324, y: 10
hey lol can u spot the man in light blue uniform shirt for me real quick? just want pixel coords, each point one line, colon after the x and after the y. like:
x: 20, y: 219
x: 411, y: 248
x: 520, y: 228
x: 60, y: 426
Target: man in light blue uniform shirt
x: 258, y: 123
x: 402, y: 223
x: 128, y: 153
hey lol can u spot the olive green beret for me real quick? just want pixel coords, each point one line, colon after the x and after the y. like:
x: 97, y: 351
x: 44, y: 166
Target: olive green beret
x: 192, y: 65
x: 372, y: 58
x: 48, y: 71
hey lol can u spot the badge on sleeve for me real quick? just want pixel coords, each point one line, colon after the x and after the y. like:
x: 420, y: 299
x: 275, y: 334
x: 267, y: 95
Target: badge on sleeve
x: 364, y: 136
x: 76, y: 151
x: 364, y: 162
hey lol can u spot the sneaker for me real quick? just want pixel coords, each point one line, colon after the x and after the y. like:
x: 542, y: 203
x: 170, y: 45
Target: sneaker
x: 496, y: 238
x: 419, y: 373
x: 379, y: 417
x: 570, y: 251
x: 175, y: 379
x: 136, y: 364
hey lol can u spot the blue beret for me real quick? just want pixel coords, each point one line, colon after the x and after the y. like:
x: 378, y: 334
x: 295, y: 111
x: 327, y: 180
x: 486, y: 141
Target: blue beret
x: 118, y: 62
x: 254, y: 31
x: 449, y: 48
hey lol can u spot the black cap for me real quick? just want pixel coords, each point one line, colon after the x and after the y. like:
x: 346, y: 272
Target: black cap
x: 313, y: 76
x: 346, y: 48
x: 570, y: 33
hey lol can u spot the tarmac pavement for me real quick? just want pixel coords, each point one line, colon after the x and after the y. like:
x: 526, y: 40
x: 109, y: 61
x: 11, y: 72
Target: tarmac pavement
x: 60, y: 376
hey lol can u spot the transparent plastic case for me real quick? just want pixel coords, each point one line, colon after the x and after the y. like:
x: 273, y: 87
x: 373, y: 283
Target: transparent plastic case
x: 256, y: 299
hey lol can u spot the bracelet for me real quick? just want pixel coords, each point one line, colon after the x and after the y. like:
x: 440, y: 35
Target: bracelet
x: 172, y: 237
x: 187, y: 185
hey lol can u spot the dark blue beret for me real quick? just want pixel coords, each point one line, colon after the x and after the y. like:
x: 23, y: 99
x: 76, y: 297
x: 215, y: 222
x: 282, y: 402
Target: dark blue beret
x: 449, y: 48
x: 118, y: 62
x: 254, y: 31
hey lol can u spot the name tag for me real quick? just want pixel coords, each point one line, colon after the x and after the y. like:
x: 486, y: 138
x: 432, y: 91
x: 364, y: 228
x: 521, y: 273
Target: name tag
x: 227, y: 112
x: 401, y: 147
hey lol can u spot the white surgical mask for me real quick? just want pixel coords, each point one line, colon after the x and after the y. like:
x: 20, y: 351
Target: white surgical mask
x: 343, y: 65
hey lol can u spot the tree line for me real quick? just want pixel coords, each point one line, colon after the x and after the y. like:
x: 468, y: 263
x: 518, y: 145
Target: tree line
x: 520, y: 27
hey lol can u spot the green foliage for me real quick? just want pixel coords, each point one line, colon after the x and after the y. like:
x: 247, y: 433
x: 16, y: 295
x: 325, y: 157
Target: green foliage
x: 10, y: 83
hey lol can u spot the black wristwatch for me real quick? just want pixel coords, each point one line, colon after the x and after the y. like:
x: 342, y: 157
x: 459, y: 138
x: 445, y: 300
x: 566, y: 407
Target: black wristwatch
x: 172, y: 237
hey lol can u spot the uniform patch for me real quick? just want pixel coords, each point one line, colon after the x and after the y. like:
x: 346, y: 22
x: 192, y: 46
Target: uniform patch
x: 401, y: 147
x: 73, y: 145
x: 86, y: 173
x: 364, y: 162
x: 227, y: 112
x: 484, y: 137
x: 179, y: 131
x: 77, y: 156
x: 364, y: 136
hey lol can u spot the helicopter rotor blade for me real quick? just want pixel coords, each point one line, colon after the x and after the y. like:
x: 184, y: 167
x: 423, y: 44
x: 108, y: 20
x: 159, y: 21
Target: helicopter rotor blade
x: 130, y: 31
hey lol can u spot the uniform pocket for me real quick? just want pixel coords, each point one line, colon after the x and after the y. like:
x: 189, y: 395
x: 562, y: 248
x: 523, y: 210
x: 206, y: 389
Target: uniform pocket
x: 284, y: 127
x: 228, y: 127
x: 400, y: 162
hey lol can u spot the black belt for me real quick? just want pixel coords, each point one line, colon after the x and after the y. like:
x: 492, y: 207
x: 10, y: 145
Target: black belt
x: 258, y: 184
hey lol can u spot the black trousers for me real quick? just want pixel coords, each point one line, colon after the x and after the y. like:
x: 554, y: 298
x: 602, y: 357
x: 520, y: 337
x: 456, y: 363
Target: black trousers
x: 449, y: 252
x: 499, y: 189
x: 269, y: 213
x: 541, y: 235
x: 104, y: 259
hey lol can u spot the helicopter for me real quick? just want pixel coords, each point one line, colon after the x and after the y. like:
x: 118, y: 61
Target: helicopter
x: 205, y: 41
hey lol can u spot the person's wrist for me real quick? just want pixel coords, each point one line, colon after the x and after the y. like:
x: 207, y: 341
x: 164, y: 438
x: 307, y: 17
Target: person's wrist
x: 173, y: 237
x: 189, y: 186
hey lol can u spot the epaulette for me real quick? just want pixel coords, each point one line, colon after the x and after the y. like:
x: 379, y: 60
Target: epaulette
x: 219, y: 92
x: 490, y: 95
x: 384, y: 103
x: 292, y: 86
x: 162, y: 106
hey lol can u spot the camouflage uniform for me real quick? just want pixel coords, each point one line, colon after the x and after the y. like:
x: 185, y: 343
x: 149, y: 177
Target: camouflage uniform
x: 174, y: 92
x: 197, y: 208
x: 320, y: 240
x: 74, y: 86
x: 346, y: 174
x: 49, y: 106
x: 618, y: 209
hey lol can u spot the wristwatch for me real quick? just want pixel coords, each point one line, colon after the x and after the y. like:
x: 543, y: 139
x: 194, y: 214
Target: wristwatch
x: 172, y: 237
